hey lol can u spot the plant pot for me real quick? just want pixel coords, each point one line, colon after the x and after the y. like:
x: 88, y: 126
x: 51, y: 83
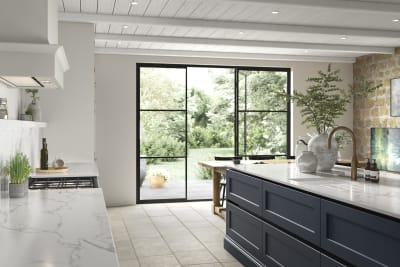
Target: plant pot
x: 18, y: 190
x: 157, y: 181
x: 326, y: 157
x: 35, y: 111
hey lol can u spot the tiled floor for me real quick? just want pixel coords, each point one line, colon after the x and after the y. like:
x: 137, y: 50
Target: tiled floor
x: 166, y: 235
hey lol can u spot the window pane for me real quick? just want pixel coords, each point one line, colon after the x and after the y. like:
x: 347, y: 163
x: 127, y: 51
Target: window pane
x: 162, y: 88
x: 258, y: 90
x: 162, y: 133
x: 262, y: 133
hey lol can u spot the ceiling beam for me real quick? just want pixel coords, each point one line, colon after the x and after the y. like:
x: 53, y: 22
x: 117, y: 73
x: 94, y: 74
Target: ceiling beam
x: 245, y: 43
x: 222, y: 55
x: 360, y: 6
x: 225, y: 25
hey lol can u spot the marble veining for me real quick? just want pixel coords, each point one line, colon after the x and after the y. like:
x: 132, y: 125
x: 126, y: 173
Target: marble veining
x: 67, y: 227
x: 383, y: 198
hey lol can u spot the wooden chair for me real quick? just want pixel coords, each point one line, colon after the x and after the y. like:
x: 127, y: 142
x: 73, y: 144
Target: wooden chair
x: 222, y: 183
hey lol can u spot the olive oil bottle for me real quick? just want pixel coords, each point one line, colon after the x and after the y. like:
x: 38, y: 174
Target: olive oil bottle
x: 44, y: 156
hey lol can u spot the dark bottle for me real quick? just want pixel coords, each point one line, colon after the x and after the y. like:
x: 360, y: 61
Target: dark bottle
x: 367, y: 171
x: 44, y: 156
x: 374, y: 173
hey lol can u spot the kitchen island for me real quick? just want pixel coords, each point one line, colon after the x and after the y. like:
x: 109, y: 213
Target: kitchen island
x: 277, y: 216
x: 66, y: 227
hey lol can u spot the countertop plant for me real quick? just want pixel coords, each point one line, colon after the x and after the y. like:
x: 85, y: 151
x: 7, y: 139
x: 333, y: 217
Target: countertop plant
x: 18, y: 168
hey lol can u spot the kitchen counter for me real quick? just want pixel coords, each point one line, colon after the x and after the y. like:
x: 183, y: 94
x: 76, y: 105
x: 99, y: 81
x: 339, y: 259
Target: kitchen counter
x: 67, y: 227
x: 75, y: 169
x: 383, y: 198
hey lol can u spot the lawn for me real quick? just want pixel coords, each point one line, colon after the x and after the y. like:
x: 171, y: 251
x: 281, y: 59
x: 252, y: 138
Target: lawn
x: 176, y: 169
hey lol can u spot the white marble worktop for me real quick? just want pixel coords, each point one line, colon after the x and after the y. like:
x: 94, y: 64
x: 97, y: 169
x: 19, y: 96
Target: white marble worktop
x: 382, y: 197
x: 75, y: 169
x: 67, y: 227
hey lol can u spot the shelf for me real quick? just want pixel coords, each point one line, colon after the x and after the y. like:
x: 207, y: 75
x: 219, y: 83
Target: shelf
x: 21, y: 124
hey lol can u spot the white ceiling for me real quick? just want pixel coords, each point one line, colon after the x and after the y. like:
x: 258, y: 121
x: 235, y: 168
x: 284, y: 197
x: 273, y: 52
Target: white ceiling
x: 315, y: 30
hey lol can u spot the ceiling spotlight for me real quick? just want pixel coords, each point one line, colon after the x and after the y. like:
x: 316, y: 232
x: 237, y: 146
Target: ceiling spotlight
x: 125, y: 26
x: 134, y: 3
x: 343, y: 38
x: 275, y: 12
x: 396, y: 20
x: 241, y: 32
x: 119, y: 42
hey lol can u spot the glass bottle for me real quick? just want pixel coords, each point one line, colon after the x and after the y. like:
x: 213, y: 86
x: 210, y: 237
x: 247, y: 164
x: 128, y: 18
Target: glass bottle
x: 374, y: 173
x: 3, y: 109
x: 44, y: 156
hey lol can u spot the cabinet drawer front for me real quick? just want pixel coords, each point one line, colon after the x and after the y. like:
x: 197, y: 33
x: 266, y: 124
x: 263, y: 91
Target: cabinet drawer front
x: 359, y: 237
x: 245, y: 229
x: 297, y: 212
x: 244, y: 191
x: 327, y: 261
x: 280, y: 249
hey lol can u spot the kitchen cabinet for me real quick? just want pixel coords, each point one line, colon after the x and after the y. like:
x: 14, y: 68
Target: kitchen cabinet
x: 298, y: 228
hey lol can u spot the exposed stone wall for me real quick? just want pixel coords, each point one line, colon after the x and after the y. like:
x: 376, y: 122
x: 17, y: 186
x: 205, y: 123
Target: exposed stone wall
x: 374, y: 110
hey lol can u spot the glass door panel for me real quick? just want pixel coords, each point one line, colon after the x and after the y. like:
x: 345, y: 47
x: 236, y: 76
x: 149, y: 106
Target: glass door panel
x: 211, y: 93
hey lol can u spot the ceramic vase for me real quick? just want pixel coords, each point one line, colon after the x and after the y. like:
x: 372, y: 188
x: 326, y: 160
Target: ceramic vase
x: 307, y: 162
x: 326, y: 157
x: 35, y: 111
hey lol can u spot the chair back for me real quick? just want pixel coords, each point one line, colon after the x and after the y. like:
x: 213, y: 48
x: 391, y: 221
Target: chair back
x: 228, y: 158
x: 261, y: 157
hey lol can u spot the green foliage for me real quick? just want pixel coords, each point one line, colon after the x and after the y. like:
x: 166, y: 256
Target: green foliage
x: 324, y: 101
x: 165, y: 146
x: 204, y: 173
x: 18, y: 168
x: 207, y: 137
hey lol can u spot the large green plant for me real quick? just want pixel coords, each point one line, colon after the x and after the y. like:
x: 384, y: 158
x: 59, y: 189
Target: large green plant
x: 18, y: 168
x: 324, y: 101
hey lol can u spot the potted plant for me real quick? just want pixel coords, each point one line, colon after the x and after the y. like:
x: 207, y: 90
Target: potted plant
x: 158, y: 177
x: 33, y: 107
x: 19, y: 169
x: 321, y: 104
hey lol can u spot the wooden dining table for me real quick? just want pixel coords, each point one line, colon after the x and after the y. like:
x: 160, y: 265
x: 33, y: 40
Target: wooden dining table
x: 218, y: 168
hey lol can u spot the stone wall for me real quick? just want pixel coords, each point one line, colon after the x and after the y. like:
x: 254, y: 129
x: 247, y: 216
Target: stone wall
x: 374, y: 110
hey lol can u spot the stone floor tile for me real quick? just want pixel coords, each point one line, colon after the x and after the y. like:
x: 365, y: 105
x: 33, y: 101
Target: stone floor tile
x: 195, y: 257
x: 151, y: 247
x: 159, y: 261
x: 129, y: 263
x: 126, y: 253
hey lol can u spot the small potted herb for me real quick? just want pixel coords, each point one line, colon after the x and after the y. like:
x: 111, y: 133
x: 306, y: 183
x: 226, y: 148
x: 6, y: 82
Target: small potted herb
x: 19, y: 169
x: 157, y: 178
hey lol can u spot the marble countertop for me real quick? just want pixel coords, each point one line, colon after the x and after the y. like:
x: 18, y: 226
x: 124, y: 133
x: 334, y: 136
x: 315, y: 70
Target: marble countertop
x: 382, y: 197
x: 75, y: 169
x: 67, y: 227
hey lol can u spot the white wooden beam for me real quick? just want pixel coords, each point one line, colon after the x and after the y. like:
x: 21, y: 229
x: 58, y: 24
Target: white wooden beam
x: 246, y: 43
x: 353, y: 5
x: 228, y: 25
x: 222, y: 55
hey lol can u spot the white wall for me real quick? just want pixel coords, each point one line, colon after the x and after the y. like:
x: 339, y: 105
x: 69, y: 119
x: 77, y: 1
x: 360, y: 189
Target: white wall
x: 116, y: 111
x: 25, y: 140
x: 69, y: 113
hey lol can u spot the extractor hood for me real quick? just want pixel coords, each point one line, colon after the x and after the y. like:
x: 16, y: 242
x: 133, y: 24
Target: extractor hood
x: 30, y: 56
x: 32, y: 66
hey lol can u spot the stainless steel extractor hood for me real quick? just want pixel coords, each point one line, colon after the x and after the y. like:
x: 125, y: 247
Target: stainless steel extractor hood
x: 30, y: 56
x: 34, y: 66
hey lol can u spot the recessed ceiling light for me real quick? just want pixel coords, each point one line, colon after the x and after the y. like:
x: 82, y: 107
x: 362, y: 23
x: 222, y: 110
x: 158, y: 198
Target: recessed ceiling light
x: 344, y: 38
x: 134, y: 3
x: 119, y: 42
x: 396, y: 20
x: 125, y: 26
x: 275, y: 12
x: 241, y: 32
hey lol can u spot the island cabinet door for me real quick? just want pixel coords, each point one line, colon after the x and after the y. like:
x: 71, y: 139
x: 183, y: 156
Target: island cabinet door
x: 244, y: 229
x: 281, y: 249
x: 292, y: 210
x: 327, y: 261
x: 244, y: 190
x: 358, y: 237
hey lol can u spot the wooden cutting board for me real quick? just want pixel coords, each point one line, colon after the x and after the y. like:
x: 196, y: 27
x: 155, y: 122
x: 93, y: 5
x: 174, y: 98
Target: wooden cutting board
x: 52, y: 170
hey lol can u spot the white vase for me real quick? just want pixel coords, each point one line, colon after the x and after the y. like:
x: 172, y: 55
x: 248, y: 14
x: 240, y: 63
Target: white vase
x: 34, y: 109
x: 326, y: 157
x: 307, y: 162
